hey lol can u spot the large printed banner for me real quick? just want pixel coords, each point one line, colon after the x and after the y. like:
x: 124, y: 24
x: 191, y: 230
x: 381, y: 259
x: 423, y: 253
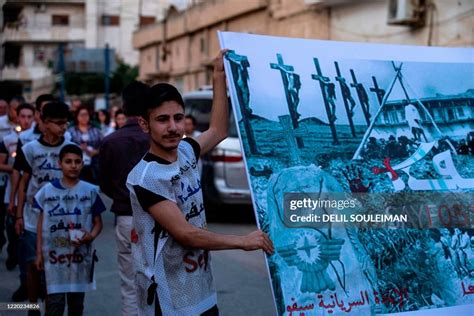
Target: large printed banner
x: 360, y: 162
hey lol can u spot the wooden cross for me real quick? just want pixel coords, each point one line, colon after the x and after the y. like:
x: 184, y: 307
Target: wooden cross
x: 290, y: 135
x: 342, y: 82
x: 319, y: 76
x: 239, y: 65
x: 379, y: 92
x: 399, y: 77
x: 285, y: 71
x: 362, y: 95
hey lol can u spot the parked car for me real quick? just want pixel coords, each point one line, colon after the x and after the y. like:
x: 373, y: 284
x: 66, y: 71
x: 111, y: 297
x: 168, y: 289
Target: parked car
x: 224, y: 180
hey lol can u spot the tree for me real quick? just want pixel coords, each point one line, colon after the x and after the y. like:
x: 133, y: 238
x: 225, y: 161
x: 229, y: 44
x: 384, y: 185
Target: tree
x: 93, y: 83
x: 123, y: 75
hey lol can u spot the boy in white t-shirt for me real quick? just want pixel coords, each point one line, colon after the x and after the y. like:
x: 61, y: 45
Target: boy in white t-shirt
x: 69, y: 220
x: 40, y: 166
x: 8, y: 146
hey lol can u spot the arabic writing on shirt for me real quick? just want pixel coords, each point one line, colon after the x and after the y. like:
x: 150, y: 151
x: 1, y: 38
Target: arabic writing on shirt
x: 46, y: 165
x: 61, y: 226
x: 182, y: 169
x: 190, y: 191
x: 60, y: 211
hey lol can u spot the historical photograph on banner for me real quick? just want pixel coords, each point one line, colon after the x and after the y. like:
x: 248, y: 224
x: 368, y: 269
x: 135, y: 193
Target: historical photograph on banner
x: 360, y: 160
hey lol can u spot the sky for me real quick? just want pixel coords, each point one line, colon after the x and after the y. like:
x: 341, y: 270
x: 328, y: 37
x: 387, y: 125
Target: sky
x: 427, y: 71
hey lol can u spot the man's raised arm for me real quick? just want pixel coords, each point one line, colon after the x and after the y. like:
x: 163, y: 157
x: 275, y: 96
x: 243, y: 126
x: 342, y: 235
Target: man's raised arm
x: 219, y: 122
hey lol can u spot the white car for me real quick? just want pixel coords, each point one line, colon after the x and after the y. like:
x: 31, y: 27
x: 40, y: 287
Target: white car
x: 224, y: 180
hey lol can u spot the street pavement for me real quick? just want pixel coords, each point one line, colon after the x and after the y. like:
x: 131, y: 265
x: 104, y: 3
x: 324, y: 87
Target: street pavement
x: 241, y: 278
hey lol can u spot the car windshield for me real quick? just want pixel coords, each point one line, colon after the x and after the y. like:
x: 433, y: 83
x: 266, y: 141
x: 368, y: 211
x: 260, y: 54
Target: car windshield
x: 201, y: 110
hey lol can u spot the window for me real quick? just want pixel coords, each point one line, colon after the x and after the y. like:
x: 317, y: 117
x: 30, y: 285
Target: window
x: 402, y: 115
x: 450, y: 114
x: 12, y: 54
x: 200, y: 108
x: 423, y: 115
x: 393, y: 117
x: 203, y: 45
x: 61, y: 20
x: 147, y: 20
x: 110, y: 20
x: 460, y: 112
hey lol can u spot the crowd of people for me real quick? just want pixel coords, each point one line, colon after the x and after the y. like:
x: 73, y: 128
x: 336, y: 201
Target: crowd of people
x: 37, y: 144
x: 52, y: 156
x: 403, y: 147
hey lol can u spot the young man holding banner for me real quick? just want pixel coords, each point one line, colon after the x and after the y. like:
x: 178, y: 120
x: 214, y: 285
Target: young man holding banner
x: 171, y: 245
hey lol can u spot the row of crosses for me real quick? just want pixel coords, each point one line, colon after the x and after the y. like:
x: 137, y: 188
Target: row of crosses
x: 291, y: 132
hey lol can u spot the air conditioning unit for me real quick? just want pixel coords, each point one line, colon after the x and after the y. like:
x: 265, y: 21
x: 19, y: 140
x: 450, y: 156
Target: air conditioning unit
x: 407, y: 12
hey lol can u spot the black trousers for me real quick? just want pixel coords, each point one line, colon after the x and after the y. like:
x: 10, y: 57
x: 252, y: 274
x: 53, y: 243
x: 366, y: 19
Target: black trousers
x: 57, y: 302
x: 3, y: 213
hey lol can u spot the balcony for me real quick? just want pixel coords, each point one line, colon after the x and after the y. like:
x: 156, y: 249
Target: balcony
x: 23, y: 73
x: 197, y: 17
x: 43, y: 33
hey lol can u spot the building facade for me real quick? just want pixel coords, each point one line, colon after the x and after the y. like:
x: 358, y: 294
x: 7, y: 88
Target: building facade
x: 180, y: 48
x: 31, y: 33
x: 113, y: 22
x: 452, y: 114
x: 33, y: 29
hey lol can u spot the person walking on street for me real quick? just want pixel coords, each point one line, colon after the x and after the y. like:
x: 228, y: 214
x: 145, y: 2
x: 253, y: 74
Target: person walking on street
x: 8, y: 123
x: 88, y: 138
x: 69, y: 219
x: 40, y: 166
x: 118, y: 154
x: 25, y: 136
x: 8, y: 145
x: 172, y: 263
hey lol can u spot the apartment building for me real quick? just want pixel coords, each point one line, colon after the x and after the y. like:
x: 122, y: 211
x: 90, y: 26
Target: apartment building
x: 180, y: 48
x: 33, y: 29
x: 31, y: 33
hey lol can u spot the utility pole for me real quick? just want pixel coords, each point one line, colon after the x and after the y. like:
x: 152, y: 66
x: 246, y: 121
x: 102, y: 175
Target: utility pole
x: 61, y: 70
x: 106, y: 75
